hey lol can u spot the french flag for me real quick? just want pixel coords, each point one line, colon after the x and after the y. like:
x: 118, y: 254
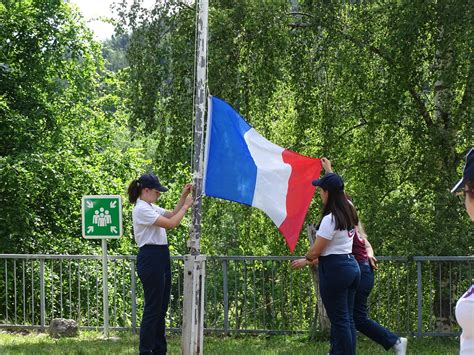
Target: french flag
x: 242, y: 166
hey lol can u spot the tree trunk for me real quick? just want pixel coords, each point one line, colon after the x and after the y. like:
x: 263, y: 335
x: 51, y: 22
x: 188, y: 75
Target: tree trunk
x: 445, y: 138
x: 321, y: 324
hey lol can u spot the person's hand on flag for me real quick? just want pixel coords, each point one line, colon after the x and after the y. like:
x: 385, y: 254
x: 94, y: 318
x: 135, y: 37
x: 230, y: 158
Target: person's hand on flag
x: 326, y: 163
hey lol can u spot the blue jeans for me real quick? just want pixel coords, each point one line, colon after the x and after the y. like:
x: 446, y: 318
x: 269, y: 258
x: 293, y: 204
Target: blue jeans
x: 339, y: 277
x: 154, y: 270
x: 363, y: 324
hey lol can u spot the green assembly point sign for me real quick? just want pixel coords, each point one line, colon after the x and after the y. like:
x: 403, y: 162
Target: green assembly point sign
x: 102, y: 217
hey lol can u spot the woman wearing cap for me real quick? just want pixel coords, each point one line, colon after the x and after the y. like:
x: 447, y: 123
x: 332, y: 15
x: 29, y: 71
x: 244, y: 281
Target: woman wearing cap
x: 153, y: 261
x: 364, y: 254
x: 339, y: 272
x: 465, y: 305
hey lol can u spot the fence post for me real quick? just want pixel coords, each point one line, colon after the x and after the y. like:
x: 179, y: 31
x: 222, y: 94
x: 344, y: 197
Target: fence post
x: 134, y: 296
x: 42, y: 297
x: 226, y: 297
x: 105, y: 288
x: 419, y: 298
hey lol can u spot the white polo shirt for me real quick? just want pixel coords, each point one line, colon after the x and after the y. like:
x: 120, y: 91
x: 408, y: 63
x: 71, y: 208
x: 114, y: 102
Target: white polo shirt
x: 465, y: 317
x: 340, y: 240
x: 144, y: 214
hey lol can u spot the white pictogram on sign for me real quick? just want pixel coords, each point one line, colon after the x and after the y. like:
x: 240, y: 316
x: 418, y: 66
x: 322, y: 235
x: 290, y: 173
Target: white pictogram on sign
x: 102, y: 217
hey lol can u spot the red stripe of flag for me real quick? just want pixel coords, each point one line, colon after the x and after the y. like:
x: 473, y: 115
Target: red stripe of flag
x: 300, y: 192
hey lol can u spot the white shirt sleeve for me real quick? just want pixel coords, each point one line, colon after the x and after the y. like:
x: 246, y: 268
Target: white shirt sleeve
x: 327, y: 228
x: 147, y: 215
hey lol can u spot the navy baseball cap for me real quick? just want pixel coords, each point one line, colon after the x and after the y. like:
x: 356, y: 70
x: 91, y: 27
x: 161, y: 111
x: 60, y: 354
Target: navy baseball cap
x: 330, y: 182
x: 467, y: 173
x: 152, y: 182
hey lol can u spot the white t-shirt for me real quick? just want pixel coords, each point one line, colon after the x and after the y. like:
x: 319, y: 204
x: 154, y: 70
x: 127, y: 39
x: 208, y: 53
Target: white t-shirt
x: 144, y: 214
x: 465, y: 318
x: 340, y: 240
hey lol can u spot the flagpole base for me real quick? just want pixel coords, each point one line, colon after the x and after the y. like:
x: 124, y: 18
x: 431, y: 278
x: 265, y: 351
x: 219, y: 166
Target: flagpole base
x: 192, y: 338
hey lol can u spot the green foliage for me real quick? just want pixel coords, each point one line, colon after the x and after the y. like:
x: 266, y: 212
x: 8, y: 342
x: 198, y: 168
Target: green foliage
x: 48, y: 67
x: 383, y: 90
x: 398, y: 128
x: 64, y: 128
x: 114, y: 52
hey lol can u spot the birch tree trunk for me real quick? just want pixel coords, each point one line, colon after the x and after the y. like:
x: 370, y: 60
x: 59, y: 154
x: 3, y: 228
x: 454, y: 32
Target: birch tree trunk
x: 445, y: 134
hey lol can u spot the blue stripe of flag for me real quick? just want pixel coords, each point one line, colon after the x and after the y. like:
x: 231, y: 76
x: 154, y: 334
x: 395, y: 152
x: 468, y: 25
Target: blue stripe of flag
x: 230, y: 172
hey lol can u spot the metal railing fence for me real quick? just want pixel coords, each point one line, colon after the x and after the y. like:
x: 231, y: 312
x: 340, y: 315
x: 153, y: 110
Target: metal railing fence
x: 245, y: 294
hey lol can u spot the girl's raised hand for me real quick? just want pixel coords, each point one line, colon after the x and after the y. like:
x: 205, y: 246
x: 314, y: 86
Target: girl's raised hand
x: 326, y: 163
x: 187, y: 189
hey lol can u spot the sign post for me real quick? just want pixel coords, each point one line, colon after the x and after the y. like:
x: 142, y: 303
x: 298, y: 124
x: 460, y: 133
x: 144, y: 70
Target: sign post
x: 102, y: 219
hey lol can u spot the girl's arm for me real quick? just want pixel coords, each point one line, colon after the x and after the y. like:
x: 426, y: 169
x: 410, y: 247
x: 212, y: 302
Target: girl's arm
x: 313, y: 253
x: 318, y: 247
x: 370, y: 254
x: 174, y: 221
x: 368, y: 247
x: 186, y: 191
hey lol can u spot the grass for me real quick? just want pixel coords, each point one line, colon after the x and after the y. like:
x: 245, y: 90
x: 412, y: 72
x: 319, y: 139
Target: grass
x: 90, y: 342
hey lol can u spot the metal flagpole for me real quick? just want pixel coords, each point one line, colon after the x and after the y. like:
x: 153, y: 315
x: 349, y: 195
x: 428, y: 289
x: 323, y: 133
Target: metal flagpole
x: 194, y: 263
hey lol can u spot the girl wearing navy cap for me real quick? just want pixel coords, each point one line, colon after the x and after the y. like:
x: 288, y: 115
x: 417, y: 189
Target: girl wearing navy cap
x: 465, y: 305
x: 339, y: 273
x: 364, y: 254
x: 153, y: 260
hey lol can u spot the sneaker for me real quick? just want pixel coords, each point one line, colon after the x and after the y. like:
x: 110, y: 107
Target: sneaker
x: 400, y: 346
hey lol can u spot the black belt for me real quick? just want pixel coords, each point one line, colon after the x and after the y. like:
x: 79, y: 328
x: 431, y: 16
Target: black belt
x: 154, y: 246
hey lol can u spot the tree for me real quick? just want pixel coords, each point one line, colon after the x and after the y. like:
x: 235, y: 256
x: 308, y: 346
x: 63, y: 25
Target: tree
x: 63, y: 132
x: 384, y: 90
x: 114, y: 52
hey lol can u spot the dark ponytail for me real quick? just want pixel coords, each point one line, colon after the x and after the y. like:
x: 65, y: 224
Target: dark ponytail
x: 344, y: 213
x: 134, y: 191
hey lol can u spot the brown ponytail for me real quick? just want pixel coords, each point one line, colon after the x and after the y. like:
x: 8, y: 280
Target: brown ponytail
x: 134, y: 191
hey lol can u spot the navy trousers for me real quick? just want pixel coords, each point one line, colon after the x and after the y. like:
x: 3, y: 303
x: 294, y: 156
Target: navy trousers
x: 363, y: 324
x: 154, y: 271
x: 339, y: 277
